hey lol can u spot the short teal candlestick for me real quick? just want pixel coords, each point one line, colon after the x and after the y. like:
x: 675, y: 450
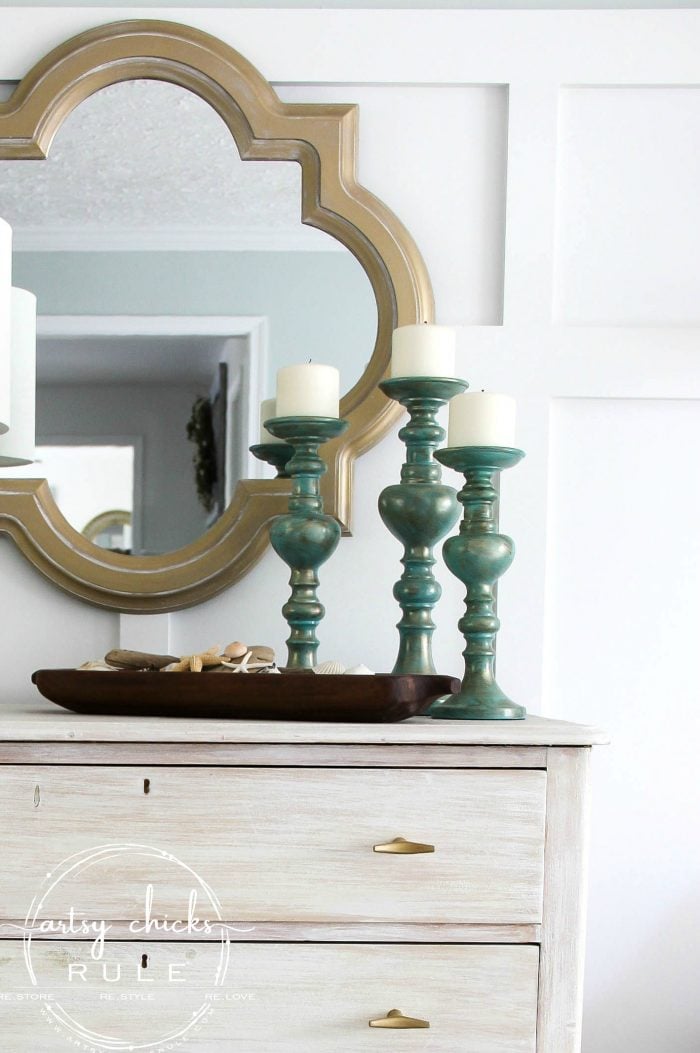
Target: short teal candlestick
x: 278, y: 454
x: 419, y: 511
x: 306, y: 537
x: 478, y: 556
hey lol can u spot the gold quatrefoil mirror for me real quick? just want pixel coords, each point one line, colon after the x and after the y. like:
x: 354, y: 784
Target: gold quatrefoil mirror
x: 186, y: 233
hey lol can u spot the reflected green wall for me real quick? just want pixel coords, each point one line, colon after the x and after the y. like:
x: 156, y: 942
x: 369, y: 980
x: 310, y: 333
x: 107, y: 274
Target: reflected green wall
x: 320, y: 305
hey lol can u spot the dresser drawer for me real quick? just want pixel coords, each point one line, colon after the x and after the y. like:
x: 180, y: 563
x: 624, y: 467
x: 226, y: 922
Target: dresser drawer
x: 296, y: 998
x: 281, y: 844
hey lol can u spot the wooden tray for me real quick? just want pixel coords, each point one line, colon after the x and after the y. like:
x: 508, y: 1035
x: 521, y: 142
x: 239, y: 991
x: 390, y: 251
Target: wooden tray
x: 379, y: 699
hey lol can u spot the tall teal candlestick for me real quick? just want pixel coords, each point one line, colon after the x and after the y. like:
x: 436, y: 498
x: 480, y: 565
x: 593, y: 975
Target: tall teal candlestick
x: 419, y: 511
x: 306, y: 537
x: 478, y: 556
x: 276, y: 454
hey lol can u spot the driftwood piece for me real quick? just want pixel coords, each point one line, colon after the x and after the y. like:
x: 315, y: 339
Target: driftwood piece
x: 137, y: 659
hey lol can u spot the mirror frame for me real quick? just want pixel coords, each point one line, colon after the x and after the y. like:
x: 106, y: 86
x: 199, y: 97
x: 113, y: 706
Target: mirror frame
x: 323, y: 139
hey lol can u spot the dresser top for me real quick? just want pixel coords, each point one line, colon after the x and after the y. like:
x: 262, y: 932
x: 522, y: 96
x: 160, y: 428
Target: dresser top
x: 41, y: 722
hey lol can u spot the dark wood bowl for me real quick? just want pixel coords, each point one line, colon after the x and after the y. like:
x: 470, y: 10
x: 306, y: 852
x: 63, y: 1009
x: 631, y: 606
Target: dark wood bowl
x: 379, y: 699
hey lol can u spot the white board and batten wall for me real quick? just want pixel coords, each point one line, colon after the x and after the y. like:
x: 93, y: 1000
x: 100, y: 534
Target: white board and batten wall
x: 547, y: 164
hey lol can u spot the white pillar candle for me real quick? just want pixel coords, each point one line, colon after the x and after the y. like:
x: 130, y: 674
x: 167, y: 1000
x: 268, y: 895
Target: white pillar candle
x: 480, y: 418
x: 5, y: 296
x: 423, y: 351
x: 268, y: 410
x: 309, y: 390
x: 18, y: 445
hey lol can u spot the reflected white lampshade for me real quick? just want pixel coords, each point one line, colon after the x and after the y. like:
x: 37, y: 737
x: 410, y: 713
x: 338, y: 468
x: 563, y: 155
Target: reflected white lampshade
x: 17, y: 446
x: 5, y: 296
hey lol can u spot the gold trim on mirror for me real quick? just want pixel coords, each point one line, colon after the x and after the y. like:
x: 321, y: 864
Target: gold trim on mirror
x: 323, y: 139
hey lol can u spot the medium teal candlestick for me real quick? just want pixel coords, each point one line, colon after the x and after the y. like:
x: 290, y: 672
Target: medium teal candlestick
x: 419, y: 511
x: 306, y: 537
x: 478, y: 556
x: 278, y: 454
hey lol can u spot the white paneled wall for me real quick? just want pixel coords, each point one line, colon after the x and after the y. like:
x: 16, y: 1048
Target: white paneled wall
x: 624, y: 614
x: 43, y: 628
x: 628, y: 206
x: 406, y: 131
x: 547, y: 164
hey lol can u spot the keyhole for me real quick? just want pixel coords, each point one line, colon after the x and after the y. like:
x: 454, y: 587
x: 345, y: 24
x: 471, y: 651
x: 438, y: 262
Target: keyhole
x: 146, y: 785
x: 144, y: 961
x: 37, y: 796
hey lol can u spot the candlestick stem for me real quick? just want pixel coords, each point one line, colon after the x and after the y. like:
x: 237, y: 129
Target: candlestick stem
x: 478, y: 556
x: 306, y: 537
x: 419, y: 511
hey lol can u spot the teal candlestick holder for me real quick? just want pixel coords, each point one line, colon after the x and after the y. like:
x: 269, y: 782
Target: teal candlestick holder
x: 306, y: 537
x: 478, y: 556
x: 419, y: 511
x: 278, y: 454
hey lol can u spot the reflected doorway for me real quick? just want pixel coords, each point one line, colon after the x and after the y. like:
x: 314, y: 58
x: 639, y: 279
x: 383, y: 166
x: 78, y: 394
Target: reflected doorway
x: 131, y: 382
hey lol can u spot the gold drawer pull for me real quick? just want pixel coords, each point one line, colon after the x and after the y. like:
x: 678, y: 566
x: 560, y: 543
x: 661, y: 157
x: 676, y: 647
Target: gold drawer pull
x: 395, y: 1018
x: 401, y: 847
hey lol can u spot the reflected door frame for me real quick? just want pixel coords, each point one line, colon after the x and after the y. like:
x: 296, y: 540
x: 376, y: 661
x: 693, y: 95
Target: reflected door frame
x: 246, y: 356
x: 59, y: 439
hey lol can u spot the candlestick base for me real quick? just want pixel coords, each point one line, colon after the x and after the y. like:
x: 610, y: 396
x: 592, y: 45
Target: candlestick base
x: 476, y: 702
x: 478, y: 556
x: 306, y: 537
x: 277, y: 454
x: 419, y: 511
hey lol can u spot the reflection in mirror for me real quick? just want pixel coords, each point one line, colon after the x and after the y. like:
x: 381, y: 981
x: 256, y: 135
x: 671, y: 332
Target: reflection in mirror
x: 158, y: 257
x: 106, y: 473
x: 111, y: 530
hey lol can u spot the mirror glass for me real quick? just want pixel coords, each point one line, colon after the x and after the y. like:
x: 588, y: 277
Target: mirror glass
x: 172, y: 280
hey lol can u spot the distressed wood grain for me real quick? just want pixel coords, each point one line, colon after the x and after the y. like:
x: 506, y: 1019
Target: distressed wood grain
x: 307, y: 932
x: 280, y: 844
x: 42, y: 722
x: 564, y: 919
x: 276, y: 755
x: 291, y: 998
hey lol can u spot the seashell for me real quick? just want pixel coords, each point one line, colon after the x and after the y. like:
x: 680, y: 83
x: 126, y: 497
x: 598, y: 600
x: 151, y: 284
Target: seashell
x: 241, y: 660
x: 195, y: 663
x: 235, y: 649
x: 209, y: 660
x: 261, y: 653
x: 183, y: 666
x: 359, y: 670
x: 329, y: 669
x: 245, y: 660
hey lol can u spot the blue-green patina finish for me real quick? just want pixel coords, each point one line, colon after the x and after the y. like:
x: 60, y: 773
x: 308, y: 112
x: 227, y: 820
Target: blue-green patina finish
x: 306, y: 537
x: 278, y: 454
x: 419, y: 511
x: 478, y: 556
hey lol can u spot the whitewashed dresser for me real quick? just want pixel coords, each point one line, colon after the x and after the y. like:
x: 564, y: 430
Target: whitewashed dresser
x: 371, y: 879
